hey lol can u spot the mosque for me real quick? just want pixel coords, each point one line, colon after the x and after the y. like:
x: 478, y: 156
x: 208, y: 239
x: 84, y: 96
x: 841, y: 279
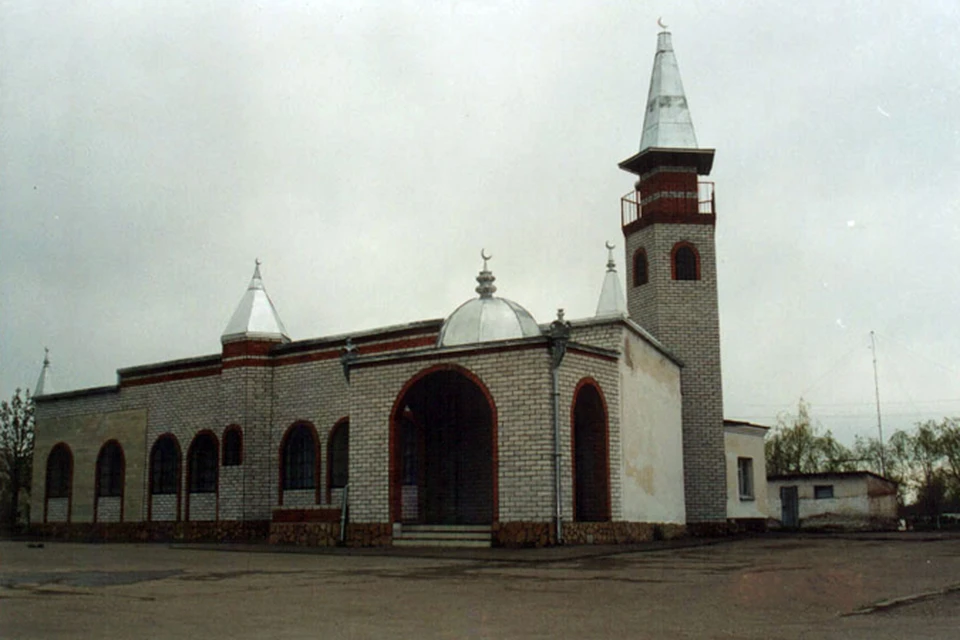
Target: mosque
x: 484, y: 428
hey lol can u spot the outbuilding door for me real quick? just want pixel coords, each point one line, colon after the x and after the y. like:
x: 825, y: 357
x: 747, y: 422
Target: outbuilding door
x: 789, y: 507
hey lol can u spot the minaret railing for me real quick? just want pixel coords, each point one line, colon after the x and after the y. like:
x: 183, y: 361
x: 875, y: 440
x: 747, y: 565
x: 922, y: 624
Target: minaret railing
x: 631, y: 209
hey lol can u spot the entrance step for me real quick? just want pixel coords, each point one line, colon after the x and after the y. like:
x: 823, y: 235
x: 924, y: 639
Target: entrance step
x: 438, y: 535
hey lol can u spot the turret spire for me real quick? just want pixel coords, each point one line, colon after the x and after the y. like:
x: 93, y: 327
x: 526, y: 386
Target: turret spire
x: 612, y: 301
x: 43, y: 381
x: 666, y: 122
x: 255, y: 317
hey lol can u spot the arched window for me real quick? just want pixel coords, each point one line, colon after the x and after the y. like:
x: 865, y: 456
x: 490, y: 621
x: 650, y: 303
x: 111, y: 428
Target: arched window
x: 232, y: 446
x: 59, y: 472
x: 686, y: 262
x: 202, y: 458
x: 338, y: 455
x: 640, y: 275
x: 299, y: 458
x: 110, y: 470
x: 164, y: 466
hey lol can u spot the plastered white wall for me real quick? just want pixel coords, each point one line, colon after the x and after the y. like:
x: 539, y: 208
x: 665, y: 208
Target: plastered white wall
x: 746, y: 442
x: 651, y: 419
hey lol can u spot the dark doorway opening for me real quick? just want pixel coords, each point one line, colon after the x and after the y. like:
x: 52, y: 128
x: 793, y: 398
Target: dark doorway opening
x: 444, y: 464
x: 591, y: 468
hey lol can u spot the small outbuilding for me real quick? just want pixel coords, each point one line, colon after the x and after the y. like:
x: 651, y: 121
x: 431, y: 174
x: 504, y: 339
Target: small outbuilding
x: 746, y: 498
x: 849, y: 500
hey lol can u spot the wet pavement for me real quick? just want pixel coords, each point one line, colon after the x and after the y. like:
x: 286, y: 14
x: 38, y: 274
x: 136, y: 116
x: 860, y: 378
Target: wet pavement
x: 888, y: 586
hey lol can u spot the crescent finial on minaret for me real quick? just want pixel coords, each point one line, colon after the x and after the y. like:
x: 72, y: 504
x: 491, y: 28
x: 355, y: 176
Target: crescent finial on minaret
x: 660, y: 23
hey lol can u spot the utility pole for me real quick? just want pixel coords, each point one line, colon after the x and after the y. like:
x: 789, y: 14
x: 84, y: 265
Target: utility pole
x: 876, y: 387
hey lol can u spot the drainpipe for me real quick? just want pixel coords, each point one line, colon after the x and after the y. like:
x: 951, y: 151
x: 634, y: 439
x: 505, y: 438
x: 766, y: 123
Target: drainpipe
x: 348, y: 355
x: 559, y: 335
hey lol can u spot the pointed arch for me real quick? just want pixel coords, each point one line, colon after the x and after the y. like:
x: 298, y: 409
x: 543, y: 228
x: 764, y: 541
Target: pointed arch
x: 590, y: 445
x: 59, y: 478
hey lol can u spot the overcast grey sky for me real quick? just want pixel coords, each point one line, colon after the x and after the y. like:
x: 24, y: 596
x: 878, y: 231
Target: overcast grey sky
x: 366, y: 151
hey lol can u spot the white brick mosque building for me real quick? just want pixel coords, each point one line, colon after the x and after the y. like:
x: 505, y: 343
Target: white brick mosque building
x: 483, y: 428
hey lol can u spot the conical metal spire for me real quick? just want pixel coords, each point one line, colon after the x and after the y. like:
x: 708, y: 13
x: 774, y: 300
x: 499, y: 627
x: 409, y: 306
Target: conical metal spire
x: 255, y: 317
x: 612, y: 301
x: 43, y: 381
x: 667, y: 123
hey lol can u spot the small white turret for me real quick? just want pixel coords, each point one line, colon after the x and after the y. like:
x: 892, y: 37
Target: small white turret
x: 612, y: 301
x: 255, y: 318
x: 43, y: 381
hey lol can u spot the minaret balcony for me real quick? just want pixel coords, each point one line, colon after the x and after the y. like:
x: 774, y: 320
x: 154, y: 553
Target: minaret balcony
x: 632, y: 215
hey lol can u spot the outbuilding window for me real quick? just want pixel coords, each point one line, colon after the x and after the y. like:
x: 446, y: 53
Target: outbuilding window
x: 823, y: 491
x: 745, y: 478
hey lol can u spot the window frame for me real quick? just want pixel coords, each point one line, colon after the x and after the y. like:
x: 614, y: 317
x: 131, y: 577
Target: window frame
x: 165, y: 472
x: 695, y: 254
x: 819, y: 491
x: 63, y: 487
x: 338, y: 471
x: 745, y: 484
x: 110, y: 470
x: 638, y: 256
x: 298, y: 470
x: 203, y: 463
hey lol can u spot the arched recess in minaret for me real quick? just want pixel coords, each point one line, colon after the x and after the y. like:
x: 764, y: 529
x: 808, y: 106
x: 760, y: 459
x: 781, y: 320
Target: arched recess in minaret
x: 685, y: 261
x: 641, y: 273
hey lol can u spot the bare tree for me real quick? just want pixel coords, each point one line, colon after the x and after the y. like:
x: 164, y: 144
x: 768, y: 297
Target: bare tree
x: 797, y: 446
x: 16, y: 455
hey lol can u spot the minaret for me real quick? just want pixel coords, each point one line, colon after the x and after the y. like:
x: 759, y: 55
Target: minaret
x: 611, y: 302
x: 43, y: 381
x: 668, y: 225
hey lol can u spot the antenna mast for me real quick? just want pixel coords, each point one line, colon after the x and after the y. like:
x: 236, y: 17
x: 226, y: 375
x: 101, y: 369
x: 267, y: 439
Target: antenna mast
x: 876, y: 387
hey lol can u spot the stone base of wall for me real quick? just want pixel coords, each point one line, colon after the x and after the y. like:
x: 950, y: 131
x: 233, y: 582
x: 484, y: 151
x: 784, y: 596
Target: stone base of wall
x: 370, y: 534
x: 713, y: 529
x: 542, y: 534
x: 620, y: 532
x: 223, y: 531
x: 837, y: 522
x: 523, y: 534
x: 305, y: 534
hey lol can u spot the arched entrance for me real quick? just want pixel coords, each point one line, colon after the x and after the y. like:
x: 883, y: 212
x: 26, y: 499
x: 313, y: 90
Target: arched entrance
x: 591, y: 462
x: 444, y: 450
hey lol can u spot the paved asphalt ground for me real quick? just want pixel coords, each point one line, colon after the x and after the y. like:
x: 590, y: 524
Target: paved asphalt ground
x: 889, y: 586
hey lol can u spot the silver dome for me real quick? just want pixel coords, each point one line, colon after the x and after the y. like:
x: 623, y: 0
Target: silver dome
x: 487, y: 318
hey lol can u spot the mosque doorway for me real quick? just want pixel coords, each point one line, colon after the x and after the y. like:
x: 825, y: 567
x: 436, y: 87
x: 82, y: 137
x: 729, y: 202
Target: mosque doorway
x: 444, y: 450
x: 591, y: 463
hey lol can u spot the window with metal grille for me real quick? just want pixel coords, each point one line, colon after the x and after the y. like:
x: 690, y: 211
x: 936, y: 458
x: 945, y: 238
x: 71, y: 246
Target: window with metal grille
x: 59, y: 472
x: 299, y: 458
x: 686, y: 263
x: 203, y: 464
x: 339, y: 454
x: 110, y: 470
x: 745, y: 478
x: 164, y: 466
x: 232, y: 447
x: 640, y: 275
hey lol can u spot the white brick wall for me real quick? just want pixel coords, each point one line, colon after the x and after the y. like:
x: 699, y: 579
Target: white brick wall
x: 57, y: 509
x: 203, y: 506
x: 108, y: 509
x: 164, y: 507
